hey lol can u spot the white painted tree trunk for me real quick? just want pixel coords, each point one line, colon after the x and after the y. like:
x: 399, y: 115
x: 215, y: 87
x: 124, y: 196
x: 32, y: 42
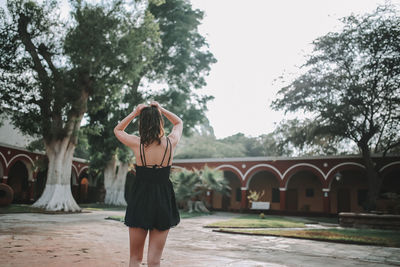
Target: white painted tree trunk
x: 115, y: 193
x: 196, y: 206
x: 190, y: 205
x: 200, y: 207
x: 57, y: 194
x: 109, y: 177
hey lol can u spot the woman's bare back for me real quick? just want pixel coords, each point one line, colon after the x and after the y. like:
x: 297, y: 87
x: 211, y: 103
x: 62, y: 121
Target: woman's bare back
x: 155, y: 154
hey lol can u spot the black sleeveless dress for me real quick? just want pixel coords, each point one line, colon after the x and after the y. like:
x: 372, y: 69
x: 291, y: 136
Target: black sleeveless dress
x: 152, y: 203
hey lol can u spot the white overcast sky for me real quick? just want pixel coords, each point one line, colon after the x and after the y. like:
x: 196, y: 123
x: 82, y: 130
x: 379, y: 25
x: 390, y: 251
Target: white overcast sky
x: 256, y: 41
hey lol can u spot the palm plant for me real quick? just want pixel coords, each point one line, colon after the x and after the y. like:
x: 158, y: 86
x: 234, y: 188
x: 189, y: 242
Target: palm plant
x: 212, y: 179
x: 192, y: 185
x: 184, y: 182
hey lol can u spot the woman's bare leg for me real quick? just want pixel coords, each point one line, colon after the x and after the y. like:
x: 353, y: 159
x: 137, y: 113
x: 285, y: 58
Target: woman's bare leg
x: 157, y: 241
x: 137, y: 237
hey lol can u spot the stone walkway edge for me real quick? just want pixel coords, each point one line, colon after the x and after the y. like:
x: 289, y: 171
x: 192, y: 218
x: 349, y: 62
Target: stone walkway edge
x: 227, y: 231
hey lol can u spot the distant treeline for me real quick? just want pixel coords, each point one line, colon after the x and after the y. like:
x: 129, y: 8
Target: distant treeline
x: 204, y: 144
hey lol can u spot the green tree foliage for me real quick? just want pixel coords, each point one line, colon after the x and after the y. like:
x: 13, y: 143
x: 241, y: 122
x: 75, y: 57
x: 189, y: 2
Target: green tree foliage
x: 53, y: 71
x: 182, y: 62
x: 169, y: 26
x: 297, y: 138
x: 142, y: 42
x: 199, y: 146
x: 51, y: 68
x: 204, y: 144
x: 350, y: 87
x: 288, y: 139
x: 82, y: 148
x: 251, y: 146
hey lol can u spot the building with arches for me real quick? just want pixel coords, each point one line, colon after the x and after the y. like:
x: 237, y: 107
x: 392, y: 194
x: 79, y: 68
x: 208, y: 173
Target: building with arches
x: 327, y: 185
x: 324, y: 184
x: 19, y: 168
x: 26, y: 171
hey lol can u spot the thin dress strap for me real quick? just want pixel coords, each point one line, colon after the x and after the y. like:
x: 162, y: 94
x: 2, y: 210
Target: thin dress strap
x: 165, y: 152
x: 170, y: 150
x: 142, y: 155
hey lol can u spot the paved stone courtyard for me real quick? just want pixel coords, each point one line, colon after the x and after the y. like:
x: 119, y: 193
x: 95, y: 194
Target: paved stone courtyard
x: 88, y: 240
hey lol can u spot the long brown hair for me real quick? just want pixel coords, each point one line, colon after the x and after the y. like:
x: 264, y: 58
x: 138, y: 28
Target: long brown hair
x: 151, y: 125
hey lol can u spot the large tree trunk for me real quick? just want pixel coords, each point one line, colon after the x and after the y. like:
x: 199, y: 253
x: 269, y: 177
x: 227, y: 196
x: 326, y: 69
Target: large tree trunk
x: 196, y: 206
x: 374, y: 180
x: 57, y: 193
x: 115, y: 192
x: 109, y: 177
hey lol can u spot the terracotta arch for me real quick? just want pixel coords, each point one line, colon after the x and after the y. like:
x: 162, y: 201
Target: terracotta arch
x: 385, y: 172
x: 231, y: 168
x: 74, y: 175
x: 3, y: 162
x: 389, y: 168
x: 20, y: 179
x: 229, y: 202
x: 289, y: 173
x: 258, y: 168
x: 83, y: 175
x: 345, y: 166
x: 2, y: 171
x: 303, y: 187
x: 27, y: 161
x: 264, y: 180
x: 75, y: 171
x: 23, y: 157
x: 83, y: 169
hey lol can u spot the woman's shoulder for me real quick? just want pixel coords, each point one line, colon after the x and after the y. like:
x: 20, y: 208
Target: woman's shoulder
x: 174, y: 138
x: 163, y: 142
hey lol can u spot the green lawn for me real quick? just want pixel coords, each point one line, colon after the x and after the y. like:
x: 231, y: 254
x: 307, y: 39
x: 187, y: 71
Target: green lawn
x: 18, y: 208
x: 115, y: 218
x: 185, y: 214
x: 323, y: 220
x: 253, y: 221
x: 101, y: 206
x: 25, y: 208
x: 355, y: 236
x: 95, y: 206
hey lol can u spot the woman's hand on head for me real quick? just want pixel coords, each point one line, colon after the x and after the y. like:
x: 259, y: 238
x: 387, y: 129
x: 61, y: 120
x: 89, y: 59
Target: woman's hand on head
x: 139, y: 108
x: 155, y: 104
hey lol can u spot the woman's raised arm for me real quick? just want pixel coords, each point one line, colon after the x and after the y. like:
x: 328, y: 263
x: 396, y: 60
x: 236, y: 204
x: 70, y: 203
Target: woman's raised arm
x: 119, y: 130
x: 176, y: 132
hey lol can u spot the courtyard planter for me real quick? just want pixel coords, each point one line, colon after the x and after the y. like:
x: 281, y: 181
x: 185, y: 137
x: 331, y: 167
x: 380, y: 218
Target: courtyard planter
x: 260, y: 205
